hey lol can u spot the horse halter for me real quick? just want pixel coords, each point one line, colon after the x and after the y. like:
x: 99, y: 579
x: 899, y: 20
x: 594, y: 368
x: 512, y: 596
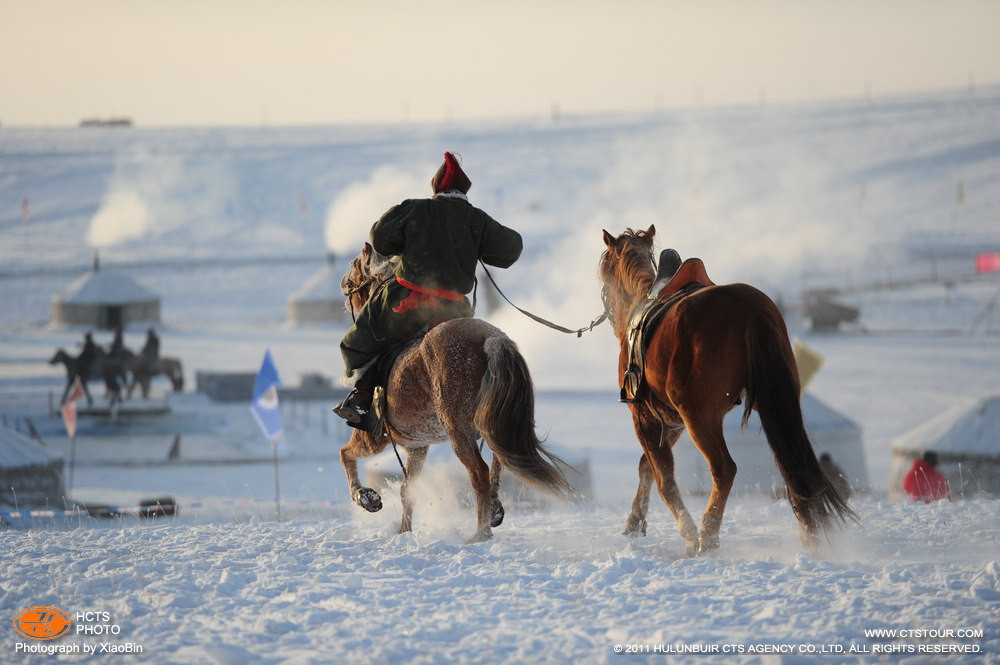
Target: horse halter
x: 606, y: 298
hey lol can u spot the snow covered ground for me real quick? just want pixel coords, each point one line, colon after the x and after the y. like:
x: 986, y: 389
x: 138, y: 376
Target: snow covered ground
x: 226, y: 223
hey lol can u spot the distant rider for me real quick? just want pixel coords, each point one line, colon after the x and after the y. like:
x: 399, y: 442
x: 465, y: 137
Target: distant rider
x: 150, y: 353
x: 88, y: 357
x: 117, y: 344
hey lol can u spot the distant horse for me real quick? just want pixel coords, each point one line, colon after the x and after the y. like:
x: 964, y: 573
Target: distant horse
x: 104, y: 367
x: 713, y: 348
x: 143, y: 371
x: 463, y: 379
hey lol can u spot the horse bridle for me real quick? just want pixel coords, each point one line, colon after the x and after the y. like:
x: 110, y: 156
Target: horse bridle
x: 609, y: 312
x: 353, y: 289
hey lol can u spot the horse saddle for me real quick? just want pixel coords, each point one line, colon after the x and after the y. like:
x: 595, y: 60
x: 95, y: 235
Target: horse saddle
x: 675, y: 280
x: 373, y: 421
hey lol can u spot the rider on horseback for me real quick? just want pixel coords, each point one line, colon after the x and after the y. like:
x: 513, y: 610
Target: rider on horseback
x: 88, y: 356
x: 150, y: 353
x: 439, y: 240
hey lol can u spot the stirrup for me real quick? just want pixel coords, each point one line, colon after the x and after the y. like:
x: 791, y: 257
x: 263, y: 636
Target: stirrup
x: 352, y: 414
x: 359, y: 417
x: 630, y: 384
x: 350, y: 411
x: 625, y: 399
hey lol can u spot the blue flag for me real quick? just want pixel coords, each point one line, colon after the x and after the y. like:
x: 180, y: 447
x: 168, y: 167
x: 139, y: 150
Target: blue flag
x: 265, y: 399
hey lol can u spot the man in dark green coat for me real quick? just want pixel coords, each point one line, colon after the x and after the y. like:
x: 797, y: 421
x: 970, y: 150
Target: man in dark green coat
x: 439, y: 241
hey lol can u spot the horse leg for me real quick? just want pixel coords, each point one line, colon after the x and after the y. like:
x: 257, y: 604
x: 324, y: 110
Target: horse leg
x: 661, y: 463
x: 479, y: 475
x: 360, y: 445
x: 712, y: 444
x: 415, y: 458
x: 657, y: 464
x: 635, y: 525
x: 111, y: 388
x: 496, y: 508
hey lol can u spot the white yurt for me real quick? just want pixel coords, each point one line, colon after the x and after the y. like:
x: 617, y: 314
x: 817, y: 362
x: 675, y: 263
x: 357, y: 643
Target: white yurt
x: 105, y: 299
x: 830, y: 432
x: 30, y: 476
x: 319, y: 299
x: 966, y: 439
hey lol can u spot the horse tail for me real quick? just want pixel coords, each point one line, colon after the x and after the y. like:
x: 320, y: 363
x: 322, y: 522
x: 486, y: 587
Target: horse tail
x: 773, y: 390
x: 505, y: 417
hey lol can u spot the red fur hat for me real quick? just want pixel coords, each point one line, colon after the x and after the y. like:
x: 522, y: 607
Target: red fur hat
x: 450, y: 176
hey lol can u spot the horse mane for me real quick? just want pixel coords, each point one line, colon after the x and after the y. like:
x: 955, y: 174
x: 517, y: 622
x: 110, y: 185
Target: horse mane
x: 367, y: 269
x: 629, y: 262
x: 382, y: 266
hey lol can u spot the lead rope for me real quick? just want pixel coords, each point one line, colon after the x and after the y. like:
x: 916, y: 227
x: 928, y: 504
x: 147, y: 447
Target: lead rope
x: 578, y: 332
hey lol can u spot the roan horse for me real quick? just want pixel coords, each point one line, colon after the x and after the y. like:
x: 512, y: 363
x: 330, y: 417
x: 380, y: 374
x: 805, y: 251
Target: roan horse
x: 463, y: 379
x: 715, y: 347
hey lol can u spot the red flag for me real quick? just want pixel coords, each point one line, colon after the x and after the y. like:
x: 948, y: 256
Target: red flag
x: 69, y: 407
x: 988, y: 262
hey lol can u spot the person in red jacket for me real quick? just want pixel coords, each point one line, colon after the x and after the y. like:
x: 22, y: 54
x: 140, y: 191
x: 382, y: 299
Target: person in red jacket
x: 923, y: 482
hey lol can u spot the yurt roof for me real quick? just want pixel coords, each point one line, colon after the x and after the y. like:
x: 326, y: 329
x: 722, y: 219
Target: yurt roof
x: 819, y: 417
x: 323, y: 285
x: 822, y: 417
x: 107, y: 287
x: 18, y: 451
x: 972, y: 427
x: 829, y: 431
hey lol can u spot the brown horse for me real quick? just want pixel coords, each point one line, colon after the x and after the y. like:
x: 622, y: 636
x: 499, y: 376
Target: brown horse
x: 715, y: 347
x: 102, y: 368
x: 463, y: 379
x: 144, y: 369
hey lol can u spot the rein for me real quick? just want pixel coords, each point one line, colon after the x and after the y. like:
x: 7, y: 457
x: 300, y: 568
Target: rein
x: 578, y: 332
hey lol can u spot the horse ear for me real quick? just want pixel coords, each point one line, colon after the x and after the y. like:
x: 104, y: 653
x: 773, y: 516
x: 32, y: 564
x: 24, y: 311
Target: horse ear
x: 651, y: 231
x: 609, y: 239
x: 367, y: 249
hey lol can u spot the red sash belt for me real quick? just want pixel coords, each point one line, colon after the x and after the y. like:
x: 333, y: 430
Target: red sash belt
x: 422, y: 295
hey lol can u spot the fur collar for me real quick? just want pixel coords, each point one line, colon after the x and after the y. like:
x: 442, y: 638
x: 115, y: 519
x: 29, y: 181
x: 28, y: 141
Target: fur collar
x: 452, y: 194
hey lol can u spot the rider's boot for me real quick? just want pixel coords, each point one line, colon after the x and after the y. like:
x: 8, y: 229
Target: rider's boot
x: 357, y: 408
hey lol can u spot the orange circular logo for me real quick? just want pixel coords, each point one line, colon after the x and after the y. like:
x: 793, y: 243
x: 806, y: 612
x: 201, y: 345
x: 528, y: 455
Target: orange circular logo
x: 42, y: 623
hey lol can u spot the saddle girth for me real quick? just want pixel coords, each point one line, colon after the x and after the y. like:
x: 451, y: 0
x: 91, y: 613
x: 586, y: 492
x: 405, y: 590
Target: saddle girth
x: 688, y: 278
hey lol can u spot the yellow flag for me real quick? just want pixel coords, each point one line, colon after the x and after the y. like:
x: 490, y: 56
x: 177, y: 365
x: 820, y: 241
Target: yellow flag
x: 808, y: 361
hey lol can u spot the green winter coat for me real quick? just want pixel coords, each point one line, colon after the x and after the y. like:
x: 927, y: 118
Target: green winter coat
x: 439, y: 242
x: 441, y: 239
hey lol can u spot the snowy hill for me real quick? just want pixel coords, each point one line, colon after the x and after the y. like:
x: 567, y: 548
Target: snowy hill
x: 224, y: 224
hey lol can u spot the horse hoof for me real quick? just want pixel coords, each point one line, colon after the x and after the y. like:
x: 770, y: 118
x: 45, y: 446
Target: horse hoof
x: 481, y: 537
x: 497, y: 518
x: 635, y: 528
x: 369, y: 499
x: 706, y: 546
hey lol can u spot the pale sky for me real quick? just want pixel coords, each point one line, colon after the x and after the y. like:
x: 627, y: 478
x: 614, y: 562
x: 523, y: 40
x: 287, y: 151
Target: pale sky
x: 279, y: 62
